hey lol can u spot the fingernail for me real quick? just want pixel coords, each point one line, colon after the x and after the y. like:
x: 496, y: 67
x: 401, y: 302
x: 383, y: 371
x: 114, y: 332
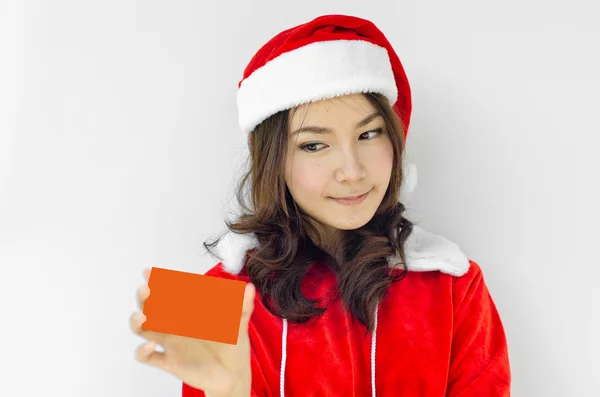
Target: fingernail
x: 141, y: 317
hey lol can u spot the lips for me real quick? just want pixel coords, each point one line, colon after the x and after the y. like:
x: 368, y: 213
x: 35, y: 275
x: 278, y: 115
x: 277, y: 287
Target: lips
x: 353, y: 200
x: 351, y: 197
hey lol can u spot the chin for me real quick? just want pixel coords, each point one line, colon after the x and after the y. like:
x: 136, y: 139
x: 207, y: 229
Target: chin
x: 348, y: 218
x: 350, y: 224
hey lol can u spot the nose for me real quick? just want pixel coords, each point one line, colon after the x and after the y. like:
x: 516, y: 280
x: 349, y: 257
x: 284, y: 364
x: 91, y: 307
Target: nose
x: 351, y: 169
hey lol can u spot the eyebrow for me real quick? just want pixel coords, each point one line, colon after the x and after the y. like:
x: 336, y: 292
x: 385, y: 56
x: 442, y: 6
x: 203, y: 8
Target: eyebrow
x: 325, y: 130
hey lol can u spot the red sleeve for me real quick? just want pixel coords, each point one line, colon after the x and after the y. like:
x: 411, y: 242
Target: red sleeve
x: 479, y: 364
x: 260, y: 387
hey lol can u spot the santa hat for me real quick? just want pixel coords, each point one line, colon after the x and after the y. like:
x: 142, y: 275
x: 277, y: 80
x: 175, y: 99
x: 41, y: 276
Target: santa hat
x: 330, y: 56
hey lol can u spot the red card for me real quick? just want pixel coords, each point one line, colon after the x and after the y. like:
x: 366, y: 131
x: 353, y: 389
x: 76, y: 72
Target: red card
x: 194, y: 305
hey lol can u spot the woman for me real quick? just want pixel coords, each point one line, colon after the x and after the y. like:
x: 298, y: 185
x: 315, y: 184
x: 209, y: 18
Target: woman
x: 345, y: 296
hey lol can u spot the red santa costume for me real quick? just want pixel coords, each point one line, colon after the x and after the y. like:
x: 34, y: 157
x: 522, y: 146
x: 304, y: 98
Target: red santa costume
x: 437, y: 332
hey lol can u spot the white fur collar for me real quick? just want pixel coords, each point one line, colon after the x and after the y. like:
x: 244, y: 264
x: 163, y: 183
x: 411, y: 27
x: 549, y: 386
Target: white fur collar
x: 424, y: 252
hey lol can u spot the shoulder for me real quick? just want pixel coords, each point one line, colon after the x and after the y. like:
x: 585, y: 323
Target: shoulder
x: 470, y: 286
x: 430, y: 252
x: 474, y: 272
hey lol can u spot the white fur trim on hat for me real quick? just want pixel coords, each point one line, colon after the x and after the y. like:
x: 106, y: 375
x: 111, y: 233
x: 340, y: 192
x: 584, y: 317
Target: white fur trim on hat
x: 313, y: 72
x: 424, y: 252
x: 410, y: 181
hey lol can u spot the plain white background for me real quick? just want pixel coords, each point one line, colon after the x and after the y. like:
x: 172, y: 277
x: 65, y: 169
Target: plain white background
x: 119, y: 149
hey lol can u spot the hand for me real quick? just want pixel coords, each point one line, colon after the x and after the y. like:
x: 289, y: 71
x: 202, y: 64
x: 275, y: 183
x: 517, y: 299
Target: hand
x: 219, y: 369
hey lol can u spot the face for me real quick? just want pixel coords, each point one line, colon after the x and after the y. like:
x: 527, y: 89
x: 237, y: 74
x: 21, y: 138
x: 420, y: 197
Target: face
x: 339, y: 153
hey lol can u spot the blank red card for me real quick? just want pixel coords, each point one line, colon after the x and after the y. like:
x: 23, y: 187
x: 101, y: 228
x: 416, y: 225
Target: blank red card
x: 194, y: 305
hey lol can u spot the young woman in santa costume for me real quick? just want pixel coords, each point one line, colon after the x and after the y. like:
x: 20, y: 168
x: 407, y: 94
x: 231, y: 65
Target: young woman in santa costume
x: 345, y: 296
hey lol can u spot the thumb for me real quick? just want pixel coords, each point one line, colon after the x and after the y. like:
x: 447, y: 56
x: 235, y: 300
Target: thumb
x: 248, y: 305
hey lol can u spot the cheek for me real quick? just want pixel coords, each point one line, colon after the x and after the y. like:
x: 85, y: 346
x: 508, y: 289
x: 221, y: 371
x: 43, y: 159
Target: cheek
x: 306, y: 179
x: 381, y: 161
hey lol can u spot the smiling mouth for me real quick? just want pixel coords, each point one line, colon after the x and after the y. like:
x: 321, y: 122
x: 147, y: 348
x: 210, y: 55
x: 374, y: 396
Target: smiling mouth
x: 350, y: 197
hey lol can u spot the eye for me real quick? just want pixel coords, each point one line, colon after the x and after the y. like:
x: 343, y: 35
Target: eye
x: 377, y: 132
x: 309, y: 145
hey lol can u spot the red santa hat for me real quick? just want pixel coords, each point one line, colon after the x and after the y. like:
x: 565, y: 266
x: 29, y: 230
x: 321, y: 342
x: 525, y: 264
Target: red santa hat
x: 330, y: 56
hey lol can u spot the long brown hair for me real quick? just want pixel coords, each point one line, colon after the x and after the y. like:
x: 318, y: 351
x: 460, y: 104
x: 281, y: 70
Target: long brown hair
x: 285, y: 252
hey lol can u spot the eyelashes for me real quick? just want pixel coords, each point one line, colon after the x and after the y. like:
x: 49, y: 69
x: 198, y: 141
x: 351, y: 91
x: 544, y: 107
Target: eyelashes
x: 304, y: 147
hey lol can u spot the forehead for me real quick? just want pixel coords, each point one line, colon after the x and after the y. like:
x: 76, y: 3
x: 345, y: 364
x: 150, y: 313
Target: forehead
x: 343, y: 111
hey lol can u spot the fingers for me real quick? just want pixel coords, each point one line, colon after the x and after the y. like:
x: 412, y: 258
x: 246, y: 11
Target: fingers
x: 143, y: 292
x: 135, y: 323
x: 147, y: 274
x: 146, y: 354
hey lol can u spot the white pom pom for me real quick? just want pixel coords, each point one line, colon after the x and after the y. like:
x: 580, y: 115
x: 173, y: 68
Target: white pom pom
x: 410, y: 180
